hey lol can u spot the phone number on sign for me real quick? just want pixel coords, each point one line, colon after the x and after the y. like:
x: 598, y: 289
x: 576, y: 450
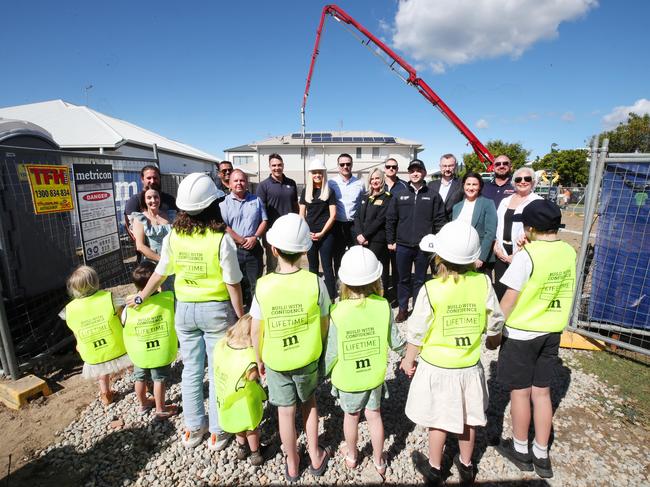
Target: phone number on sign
x: 45, y: 193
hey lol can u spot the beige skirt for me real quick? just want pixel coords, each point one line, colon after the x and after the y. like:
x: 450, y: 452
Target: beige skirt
x: 447, y: 399
x: 93, y: 371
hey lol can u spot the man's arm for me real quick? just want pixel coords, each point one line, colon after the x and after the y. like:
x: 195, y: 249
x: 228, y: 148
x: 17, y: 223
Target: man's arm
x: 439, y: 214
x: 391, y: 221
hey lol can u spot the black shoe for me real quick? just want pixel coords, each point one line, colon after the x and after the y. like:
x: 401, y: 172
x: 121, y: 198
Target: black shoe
x: 543, y: 467
x: 432, y: 476
x: 523, y: 461
x: 402, y: 316
x: 467, y: 473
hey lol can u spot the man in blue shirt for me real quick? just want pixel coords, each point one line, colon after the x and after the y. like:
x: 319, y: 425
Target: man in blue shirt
x: 246, y: 220
x: 349, y: 192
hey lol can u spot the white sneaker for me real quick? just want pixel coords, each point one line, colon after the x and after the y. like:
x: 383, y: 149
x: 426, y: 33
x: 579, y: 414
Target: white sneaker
x: 218, y: 442
x: 193, y: 438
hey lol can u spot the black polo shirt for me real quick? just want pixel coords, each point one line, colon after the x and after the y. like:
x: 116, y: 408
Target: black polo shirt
x: 496, y: 193
x: 279, y: 197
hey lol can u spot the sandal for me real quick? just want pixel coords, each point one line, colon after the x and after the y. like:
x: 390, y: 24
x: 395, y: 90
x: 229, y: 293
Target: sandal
x: 381, y: 468
x: 290, y: 478
x: 170, y: 410
x: 145, y: 408
x: 318, y: 472
x: 350, y: 462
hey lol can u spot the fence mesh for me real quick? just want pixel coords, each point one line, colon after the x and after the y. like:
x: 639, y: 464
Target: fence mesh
x: 38, y: 252
x: 615, y: 296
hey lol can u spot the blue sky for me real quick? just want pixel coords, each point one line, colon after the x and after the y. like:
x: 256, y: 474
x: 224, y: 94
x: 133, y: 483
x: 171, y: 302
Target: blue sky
x: 220, y: 74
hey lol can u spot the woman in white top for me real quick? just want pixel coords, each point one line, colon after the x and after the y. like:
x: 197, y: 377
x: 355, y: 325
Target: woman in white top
x: 509, y: 233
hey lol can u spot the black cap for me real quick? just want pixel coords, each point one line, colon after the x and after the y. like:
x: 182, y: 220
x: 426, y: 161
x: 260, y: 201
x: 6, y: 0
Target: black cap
x: 417, y: 163
x: 542, y: 215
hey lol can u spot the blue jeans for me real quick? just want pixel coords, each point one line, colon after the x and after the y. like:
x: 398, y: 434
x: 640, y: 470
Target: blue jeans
x: 199, y: 327
x: 323, y: 247
x: 406, y: 257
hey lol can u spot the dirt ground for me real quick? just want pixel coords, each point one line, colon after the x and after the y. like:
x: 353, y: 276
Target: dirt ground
x: 35, y: 426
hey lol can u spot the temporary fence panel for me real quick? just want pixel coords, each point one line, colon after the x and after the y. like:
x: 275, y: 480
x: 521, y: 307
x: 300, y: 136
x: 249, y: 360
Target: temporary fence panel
x: 38, y: 252
x: 613, y: 302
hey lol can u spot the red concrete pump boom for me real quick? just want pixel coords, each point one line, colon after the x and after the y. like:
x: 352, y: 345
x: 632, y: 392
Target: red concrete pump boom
x: 410, y: 76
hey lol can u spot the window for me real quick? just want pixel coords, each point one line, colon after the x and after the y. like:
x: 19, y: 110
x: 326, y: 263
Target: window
x: 359, y: 152
x: 242, y: 160
x: 375, y: 152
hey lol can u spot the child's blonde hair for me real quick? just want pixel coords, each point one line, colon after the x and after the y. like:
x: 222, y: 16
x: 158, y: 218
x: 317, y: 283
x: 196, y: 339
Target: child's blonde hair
x: 446, y: 269
x: 239, y: 335
x: 83, y: 282
x: 358, y: 292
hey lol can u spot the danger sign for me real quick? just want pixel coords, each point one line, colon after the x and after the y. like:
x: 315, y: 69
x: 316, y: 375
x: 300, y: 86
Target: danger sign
x: 50, y: 187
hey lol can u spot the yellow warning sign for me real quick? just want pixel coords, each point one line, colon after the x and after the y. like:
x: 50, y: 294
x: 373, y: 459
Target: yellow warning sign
x: 50, y: 187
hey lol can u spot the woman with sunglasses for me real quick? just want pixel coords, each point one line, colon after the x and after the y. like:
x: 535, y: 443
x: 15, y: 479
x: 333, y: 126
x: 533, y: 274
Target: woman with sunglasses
x: 510, y: 233
x: 318, y: 207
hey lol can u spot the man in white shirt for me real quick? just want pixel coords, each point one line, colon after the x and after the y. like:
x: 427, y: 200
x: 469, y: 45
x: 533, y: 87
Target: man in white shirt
x: 448, y: 186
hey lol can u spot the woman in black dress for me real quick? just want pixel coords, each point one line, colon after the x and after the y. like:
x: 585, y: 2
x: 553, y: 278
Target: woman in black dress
x: 370, y: 221
x: 318, y: 207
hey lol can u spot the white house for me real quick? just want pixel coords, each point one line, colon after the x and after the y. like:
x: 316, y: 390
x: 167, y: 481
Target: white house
x: 79, y: 128
x: 368, y: 150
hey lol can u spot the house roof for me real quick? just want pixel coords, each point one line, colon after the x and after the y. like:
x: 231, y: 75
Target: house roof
x: 76, y: 127
x: 349, y: 135
x: 241, y: 148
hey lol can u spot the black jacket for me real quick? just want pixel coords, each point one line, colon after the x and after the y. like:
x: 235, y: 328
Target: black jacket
x: 454, y: 195
x: 370, y: 219
x: 410, y: 217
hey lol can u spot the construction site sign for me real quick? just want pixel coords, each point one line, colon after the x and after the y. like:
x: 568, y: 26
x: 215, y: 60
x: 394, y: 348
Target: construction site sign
x: 50, y: 188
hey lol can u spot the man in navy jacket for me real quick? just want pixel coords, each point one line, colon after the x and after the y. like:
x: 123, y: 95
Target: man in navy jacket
x: 413, y: 213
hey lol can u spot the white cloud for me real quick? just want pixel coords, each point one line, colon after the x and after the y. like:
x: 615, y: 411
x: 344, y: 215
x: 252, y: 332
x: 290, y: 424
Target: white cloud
x: 482, y: 124
x: 621, y: 113
x: 441, y: 33
x: 568, y: 117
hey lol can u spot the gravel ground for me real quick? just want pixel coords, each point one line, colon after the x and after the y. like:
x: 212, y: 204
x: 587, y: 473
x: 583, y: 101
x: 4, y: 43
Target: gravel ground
x: 594, y: 445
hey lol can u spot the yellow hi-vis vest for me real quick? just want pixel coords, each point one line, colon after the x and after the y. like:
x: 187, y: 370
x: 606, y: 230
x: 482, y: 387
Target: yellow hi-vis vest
x: 149, y: 334
x: 96, y: 327
x: 362, y: 329
x: 454, y: 338
x: 544, y: 304
x: 239, y: 401
x: 291, y: 326
x: 197, y: 267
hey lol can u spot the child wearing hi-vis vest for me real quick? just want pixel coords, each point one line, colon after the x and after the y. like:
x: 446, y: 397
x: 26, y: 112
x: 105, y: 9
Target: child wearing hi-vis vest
x: 452, y: 311
x: 537, y: 303
x: 290, y: 319
x: 240, y: 397
x: 93, y: 317
x: 360, y: 334
x: 151, y: 343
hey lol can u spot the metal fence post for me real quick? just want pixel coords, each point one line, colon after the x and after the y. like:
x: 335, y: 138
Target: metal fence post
x: 7, y: 344
x: 597, y: 164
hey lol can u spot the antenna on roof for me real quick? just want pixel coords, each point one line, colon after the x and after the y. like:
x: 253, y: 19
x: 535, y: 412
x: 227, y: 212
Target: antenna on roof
x: 86, y: 90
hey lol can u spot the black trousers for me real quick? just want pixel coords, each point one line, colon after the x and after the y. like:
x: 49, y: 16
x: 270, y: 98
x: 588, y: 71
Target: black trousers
x: 343, y: 240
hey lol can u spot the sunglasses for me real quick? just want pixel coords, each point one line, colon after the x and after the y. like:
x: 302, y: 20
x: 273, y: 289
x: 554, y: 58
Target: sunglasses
x: 528, y: 179
x: 345, y: 164
x: 390, y: 167
x: 499, y: 164
x: 224, y: 171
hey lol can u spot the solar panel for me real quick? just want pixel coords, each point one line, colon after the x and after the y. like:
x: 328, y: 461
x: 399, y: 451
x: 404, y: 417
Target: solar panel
x: 368, y: 139
x: 390, y: 140
x: 378, y: 139
x: 337, y: 139
x: 296, y: 136
x: 347, y: 139
x: 357, y: 139
x: 325, y: 134
x: 316, y: 139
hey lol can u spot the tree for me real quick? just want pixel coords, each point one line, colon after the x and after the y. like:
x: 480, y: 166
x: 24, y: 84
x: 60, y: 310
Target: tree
x: 631, y: 136
x: 515, y: 151
x: 571, y: 165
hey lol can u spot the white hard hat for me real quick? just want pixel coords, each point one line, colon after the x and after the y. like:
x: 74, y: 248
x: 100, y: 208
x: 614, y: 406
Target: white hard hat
x: 359, y: 266
x: 428, y: 243
x: 317, y: 165
x: 196, y: 192
x: 457, y: 242
x: 290, y: 233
